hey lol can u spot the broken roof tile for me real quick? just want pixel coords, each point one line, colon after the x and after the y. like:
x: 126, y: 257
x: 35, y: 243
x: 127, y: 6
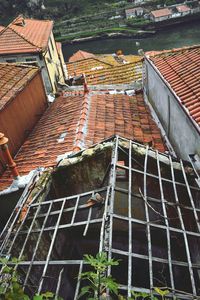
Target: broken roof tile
x: 107, y: 115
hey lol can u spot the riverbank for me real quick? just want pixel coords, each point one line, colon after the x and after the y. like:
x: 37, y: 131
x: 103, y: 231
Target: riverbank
x: 146, y: 30
x: 173, y: 37
x: 113, y: 35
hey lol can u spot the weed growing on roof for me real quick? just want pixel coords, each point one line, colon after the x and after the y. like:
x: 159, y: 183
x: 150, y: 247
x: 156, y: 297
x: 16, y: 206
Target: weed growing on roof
x: 11, y: 284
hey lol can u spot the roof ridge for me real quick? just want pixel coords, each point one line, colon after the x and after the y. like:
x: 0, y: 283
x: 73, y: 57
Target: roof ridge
x: 106, y: 63
x: 22, y: 16
x: 20, y: 65
x: 82, y: 124
x: 89, y: 58
x: 157, y: 53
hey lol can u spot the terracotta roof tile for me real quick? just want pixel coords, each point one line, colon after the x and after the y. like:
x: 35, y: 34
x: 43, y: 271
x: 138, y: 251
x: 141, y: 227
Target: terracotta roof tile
x: 161, y: 12
x: 12, y: 80
x: 117, y: 75
x: 79, y: 55
x: 181, y: 68
x: 1, y: 28
x: 86, y: 120
x: 86, y: 66
x: 25, y: 36
x: 98, y: 72
x: 182, y: 8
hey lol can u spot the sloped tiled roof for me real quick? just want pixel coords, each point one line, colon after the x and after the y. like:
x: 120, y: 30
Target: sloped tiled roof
x: 181, y: 69
x: 85, y: 120
x: 118, y: 60
x: 132, y: 10
x: 182, y: 8
x: 25, y: 36
x: 12, y: 80
x: 86, y: 66
x: 79, y: 55
x: 1, y: 28
x: 105, y: 74
x: 161, y: 12
x: 123, y: 74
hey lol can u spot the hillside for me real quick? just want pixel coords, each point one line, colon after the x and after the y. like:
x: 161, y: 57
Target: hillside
x: 77, y: 20
x: 54, y: 9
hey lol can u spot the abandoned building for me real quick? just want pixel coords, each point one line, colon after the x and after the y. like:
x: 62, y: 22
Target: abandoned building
x: 97, y: 173
x: 137, y: 204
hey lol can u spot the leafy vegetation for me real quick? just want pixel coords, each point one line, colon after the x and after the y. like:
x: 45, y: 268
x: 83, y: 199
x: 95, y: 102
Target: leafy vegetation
x: 96, y: 282
x: 97, y: 279
x: 11, y: 286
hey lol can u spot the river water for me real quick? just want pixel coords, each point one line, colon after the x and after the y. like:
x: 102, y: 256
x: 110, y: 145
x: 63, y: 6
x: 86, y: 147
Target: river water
x: 179, y: 36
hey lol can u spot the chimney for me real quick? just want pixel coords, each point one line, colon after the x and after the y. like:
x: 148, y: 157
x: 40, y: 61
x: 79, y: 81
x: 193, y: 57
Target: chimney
x: 7, y: 156
x: 86, y: 90
x: 20, y: 21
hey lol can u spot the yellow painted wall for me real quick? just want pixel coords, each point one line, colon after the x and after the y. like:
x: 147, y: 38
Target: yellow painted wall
x: 53, y: 63
x: 62, y: 61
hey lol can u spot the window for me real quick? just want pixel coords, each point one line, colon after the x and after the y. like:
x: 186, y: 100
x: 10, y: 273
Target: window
x: 51, y: 42
x: 11, y: 60
x: 50, y: 54
x: 31, y: 59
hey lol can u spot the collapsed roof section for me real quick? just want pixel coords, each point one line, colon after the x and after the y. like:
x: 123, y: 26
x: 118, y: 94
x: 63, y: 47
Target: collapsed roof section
x: 134, y: 203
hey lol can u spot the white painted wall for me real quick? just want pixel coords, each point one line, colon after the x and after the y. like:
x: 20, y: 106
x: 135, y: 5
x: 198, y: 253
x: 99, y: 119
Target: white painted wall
x: 181, y: 133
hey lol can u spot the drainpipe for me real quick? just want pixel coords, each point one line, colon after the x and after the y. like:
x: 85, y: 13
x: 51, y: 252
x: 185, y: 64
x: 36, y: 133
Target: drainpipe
x: 7, y: 156
x: 86, y: 90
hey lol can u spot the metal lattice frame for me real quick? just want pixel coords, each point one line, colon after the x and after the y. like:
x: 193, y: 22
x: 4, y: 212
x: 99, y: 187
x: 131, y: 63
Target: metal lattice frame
x: 171, y: 193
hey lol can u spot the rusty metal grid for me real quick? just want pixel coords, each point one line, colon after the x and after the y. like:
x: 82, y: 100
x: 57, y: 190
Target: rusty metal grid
x: 150, y: 221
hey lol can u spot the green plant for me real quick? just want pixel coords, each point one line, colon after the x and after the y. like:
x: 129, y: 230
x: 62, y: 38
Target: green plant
x: 139, y: 295
x: 162, y: 293
x: 97, y: 278
x: 10, y: 283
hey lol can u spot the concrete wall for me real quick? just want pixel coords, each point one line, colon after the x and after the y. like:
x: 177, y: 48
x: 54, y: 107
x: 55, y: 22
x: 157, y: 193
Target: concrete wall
x: 182, y: 134
x: 158, y: 19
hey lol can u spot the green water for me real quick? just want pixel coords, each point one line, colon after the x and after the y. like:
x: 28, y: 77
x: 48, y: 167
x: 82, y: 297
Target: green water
x: 179, y: 36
